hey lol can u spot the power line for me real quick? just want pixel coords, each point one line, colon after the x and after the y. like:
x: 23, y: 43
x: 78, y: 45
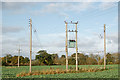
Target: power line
x: 98, y: 12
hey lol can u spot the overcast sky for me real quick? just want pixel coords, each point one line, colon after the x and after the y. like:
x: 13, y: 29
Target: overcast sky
x: 48, y: 21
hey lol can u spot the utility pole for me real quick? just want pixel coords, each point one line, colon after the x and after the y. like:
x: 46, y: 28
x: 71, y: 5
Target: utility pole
x: 76, y: 49
x: 30, y: 42
x: 66, y: 46
x: 18, y: 55
x: 104, y: 46
x: 69, y: 44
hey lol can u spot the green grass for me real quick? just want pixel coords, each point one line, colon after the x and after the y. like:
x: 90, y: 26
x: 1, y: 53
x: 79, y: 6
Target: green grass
x: 11, y: 72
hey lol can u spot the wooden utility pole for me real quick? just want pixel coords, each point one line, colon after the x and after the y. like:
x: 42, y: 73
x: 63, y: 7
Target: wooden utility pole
x: 30, y: 42
x: 18, y: 55
x: 104, y: 46
x: 76, y: 50
x: 66, y: 47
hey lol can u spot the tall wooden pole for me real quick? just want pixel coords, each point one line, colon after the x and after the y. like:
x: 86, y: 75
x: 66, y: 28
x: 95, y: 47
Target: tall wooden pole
x: 18, y: 55
x: 104, y: 46
x: 30, y: 42
x: 76, y: 50
x: 66, y: 47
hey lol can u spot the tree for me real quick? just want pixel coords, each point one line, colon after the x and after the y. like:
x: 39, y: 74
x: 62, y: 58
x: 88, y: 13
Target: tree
x: 116, y: 57
x: 55, y: 58
x: 81, y: 58
x: 44, y: 57
x: 62, y: 61
x: 91, y: 61
x: 42, y: 52
x: 63, y: 56
x: 97, y: 57
x: 4, y: 61
x: 92, y: 56
x: 71, y: 61
x: 0, y: 61
x: 9, y: 57
x: 22, y: 60
x: 26, y: 60
x: 110, y: 59
x: 14, y: 60
x: 35, y: 62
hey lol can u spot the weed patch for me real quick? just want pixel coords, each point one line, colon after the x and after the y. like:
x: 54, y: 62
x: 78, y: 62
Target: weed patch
x: 61, y: 71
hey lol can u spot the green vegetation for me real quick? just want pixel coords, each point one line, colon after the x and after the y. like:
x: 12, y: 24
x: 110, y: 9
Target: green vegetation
x: 44, y: 58
x: 45, y: 62
x: 10, y: 60
x: 12, y: 71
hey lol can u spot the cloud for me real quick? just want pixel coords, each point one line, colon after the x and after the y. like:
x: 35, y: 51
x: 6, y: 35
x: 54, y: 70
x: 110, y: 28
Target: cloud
x: 50, y: 40
x: 54, y: 43
x: 66, y: 16
x: 16, y: 5
x: 57, y: 7
x: 0, y: 5
x: 94, y: 43
x: 113, y: 38
x: 61, y: 9
x: 60, y: 0
x: 10, y: 45
x: 6, y: 30
x: 107, y: 5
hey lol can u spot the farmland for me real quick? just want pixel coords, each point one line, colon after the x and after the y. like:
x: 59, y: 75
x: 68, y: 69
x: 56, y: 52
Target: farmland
x: 11, y: 71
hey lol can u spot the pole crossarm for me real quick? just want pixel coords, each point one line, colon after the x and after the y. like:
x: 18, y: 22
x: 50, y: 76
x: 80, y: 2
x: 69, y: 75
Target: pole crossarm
x: 72, y: 31
x: 71, y: 22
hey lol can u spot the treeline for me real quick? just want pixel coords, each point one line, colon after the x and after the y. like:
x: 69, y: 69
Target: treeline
x: 43, y: 58
x: 10, y: 60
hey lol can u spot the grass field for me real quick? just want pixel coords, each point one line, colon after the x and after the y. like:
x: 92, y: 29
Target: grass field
x: 10, y: 72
